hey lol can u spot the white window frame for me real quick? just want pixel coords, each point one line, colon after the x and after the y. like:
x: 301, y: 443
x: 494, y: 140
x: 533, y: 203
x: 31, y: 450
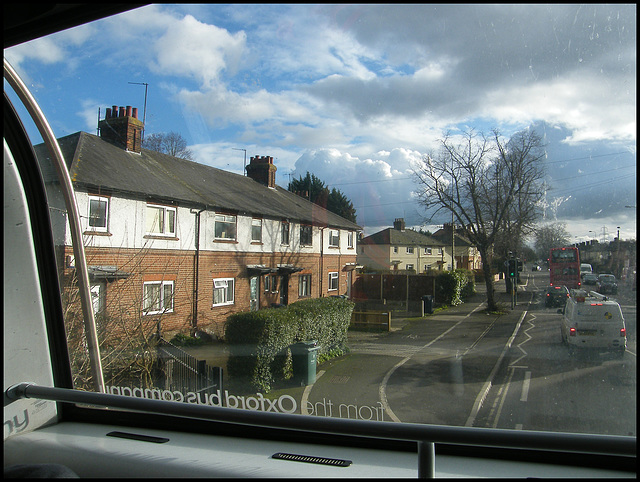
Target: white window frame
x: 334, y: 238
x: 427, y: 251
x: 409, y: 266
x: 166, y: 224
x: 228, y: 219
x: 395, y: 249
x: 162, y: 301
x: 333, y: 280
x: 222, y: 284
x: 100, y: 199
x: 304, y: 286
x: 285, y: 233
x: 409, y: 249
x: 350, y: 239
x: 304, y: 227
x: 256, y: 230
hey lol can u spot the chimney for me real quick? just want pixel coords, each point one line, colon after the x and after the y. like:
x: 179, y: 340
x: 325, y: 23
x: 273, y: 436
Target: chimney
x: 122, y: 128
x: 398, y: 224
x: 261, y: 169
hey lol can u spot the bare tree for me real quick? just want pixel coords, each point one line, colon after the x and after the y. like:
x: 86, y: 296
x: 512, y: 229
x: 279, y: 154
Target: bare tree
x: 554, y: 235
x: 172, y: 143
x: 492, y: 186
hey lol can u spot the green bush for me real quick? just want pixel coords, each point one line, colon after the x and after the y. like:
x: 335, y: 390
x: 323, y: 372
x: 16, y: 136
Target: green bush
x: 259, y: 341
x: 453, y: 288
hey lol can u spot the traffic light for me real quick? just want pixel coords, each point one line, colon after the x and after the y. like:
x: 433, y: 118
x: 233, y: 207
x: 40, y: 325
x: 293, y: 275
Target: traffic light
x: 512, y: 268
x: 520, y: 266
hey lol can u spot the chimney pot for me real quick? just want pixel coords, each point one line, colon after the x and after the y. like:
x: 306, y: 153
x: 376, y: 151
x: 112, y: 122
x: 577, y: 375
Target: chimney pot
x: 128, y: 111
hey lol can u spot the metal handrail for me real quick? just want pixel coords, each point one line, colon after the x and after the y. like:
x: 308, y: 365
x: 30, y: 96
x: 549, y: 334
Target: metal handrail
x: 425, y: 435
x: 73, y: 218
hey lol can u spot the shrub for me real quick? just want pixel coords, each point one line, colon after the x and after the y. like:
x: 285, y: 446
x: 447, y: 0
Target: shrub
x: 259, y: 341
x: 452, y: 288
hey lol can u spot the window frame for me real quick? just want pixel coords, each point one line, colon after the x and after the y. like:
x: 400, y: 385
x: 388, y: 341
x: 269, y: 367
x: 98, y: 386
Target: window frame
x: 304, y: 285
x: 216, y: 221
x: 306, y: 234
x: 163, y: 284
x: 165, y: 220
x: 285, y: 234
x: 334, y: 277
x: 256, y: 228
x: 226, y: 301
x: 334, y: 239
x: 107, y: 201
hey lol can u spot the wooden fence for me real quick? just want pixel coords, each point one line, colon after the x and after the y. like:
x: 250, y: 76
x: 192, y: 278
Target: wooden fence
x: 185, y: 373
x: 378, y: 320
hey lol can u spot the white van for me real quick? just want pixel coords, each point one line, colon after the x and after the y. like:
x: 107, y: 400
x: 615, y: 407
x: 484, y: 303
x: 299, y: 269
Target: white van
x: 591, y: 320
x: 585, y: 268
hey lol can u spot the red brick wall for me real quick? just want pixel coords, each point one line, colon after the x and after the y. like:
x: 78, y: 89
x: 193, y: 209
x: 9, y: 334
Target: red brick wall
x: 125, y: 295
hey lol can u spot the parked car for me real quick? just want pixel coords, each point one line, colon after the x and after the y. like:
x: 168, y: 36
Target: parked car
x: 556, y: 296
x: 589, y: 279
x: 607, y: 284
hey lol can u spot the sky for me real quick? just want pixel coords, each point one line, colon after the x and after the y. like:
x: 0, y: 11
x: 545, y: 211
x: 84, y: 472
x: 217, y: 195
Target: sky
x: 357, y: 94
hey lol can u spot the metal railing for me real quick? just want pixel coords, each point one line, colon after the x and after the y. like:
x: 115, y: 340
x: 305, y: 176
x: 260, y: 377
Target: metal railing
x: 425, y: 435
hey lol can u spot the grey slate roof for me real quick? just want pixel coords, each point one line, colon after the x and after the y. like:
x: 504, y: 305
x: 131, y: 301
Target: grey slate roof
x: 96, y: 164
x: 408, y: 237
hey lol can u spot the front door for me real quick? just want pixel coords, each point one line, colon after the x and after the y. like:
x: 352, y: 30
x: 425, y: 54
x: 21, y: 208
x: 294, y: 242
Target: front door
x: 284, y: 289
x: 253, y: 294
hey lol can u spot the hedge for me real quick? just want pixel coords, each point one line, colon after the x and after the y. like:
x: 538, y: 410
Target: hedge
x: 453, y: 288
x: 260, y: 341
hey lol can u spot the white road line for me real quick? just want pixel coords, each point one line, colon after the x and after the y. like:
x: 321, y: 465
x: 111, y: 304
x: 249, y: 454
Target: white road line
x: 382, y: 390
x: 487, y: 386
x: 525, y: 386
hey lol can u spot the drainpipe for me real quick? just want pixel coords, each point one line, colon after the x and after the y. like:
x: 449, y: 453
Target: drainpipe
x: 196, y: 270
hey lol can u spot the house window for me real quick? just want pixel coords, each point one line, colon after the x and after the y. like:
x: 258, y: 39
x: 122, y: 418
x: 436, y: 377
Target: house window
x: 225, y: 226
x: 98, y: 297
x: 256, y: 230
x: 306, y: 238
x: 157, y: 297
x: 271, y: 283
x: 284, y: 239
x: 334, y: 238
x: 439, y: 250
x: 98, y: 213
x: 223, y: 291
x: 161, y: 220
x: 333, y: 281
x: 427, y: 250
x: 409, y: 267
x: 395, y: 249
x: 304, y: 285
x: 409, y: 250
x: 350, y: 239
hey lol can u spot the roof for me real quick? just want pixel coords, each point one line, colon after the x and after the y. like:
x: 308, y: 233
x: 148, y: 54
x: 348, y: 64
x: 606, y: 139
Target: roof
x: 445, y: 234
x: 96, y: 164
x: 407, y: 237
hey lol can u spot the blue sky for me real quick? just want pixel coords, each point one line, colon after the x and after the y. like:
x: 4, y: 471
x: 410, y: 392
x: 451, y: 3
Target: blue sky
x: 356, y: 93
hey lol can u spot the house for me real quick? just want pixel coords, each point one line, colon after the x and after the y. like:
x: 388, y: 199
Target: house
x: 399, y: 248
x: 180, y: 246
x: 466, y: 254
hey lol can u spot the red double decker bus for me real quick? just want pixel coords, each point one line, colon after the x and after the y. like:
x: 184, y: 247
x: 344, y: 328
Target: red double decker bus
x: 564, y: 267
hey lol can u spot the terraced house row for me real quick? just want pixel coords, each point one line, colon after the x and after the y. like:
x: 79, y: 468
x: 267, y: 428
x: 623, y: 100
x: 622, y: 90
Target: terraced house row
x: 179, y: 245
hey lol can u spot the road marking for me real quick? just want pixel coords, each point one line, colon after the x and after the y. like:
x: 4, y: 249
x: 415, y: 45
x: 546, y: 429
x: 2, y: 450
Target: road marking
x: 487, y: 386
x: 525, y: 386
x: 382, y: 390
